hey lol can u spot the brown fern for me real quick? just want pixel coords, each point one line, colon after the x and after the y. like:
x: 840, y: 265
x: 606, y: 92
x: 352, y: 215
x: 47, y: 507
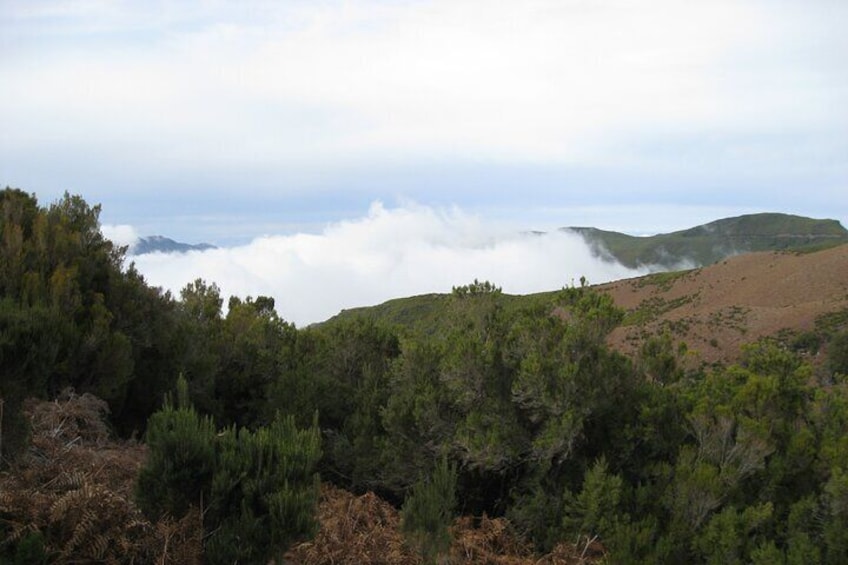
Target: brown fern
x: 74, y: 486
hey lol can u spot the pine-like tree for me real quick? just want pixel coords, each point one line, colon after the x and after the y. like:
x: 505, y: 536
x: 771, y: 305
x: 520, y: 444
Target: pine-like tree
x: 428, y: 512
x: 181, y: 460
x: 264, y: 492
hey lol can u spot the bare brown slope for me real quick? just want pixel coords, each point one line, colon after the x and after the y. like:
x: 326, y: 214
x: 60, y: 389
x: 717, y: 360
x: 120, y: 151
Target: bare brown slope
x: 740, y: 300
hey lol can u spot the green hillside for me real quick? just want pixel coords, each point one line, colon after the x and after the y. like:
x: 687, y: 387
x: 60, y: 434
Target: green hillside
x: 701, y: 245
x: 712, y: 242
x: 430, y: 314
x: 470, y: 407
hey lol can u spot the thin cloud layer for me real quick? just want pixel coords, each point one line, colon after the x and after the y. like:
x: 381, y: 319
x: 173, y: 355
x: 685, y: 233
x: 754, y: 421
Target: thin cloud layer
x: 285, y: 97
x: 120, y: 234
x: 389, y: 253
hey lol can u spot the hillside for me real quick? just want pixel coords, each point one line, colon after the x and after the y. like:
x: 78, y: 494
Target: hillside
x: 715, y: 241
x: 425, y: 314
x: 161, y: 244
x: 713, y: 309
x: 717, y: 308
x: 500, y: 429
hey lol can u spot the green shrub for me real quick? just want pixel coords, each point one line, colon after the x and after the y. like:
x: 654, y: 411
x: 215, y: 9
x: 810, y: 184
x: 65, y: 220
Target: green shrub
x: 428, y: 512
x: 258, y: 490
x: 837, y: 354
x: 180, y: 462
x: 31, y: 550
x: 264, y: 492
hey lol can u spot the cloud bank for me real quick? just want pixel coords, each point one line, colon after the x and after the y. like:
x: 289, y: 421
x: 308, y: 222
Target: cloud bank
x: 295, y: 97
x: 388, y: 253
x: 120, y: 234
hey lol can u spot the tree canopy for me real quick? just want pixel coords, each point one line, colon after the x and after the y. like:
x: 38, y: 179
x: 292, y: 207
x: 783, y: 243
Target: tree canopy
x: 509, y: 409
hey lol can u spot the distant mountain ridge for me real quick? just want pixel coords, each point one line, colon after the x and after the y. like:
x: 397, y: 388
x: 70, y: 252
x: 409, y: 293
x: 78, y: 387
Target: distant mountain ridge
x: 762, y: 241
x: 161, y: 244
x: 709, y: 243
x: 714, y: 309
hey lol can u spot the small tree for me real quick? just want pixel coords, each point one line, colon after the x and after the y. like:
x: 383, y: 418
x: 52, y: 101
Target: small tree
x: 595, y: 510
x: 258, y: 490
x: 837, y: 353
x: 179, y: 467
x: 428, y: 512
x: 264, y: 492
x: 477, y: 288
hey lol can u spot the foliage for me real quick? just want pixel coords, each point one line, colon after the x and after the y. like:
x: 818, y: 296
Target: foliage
x: 428, y: 511
x: 178, y: 472
x: 595, y: 512
x: 494, y: 404
x: 263, y: 492
x: 837, y: 354
x: 71, y: 315
x: 256, y: 490
x: 476, y: 288
x: 710, y: 243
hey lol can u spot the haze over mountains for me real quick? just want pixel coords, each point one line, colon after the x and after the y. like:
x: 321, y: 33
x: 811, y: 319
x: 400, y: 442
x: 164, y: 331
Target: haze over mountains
x: 401, y: 252
x: 794, y: 296
x: 712, y: 242
x: 162, y: 244
x: 700, y: 245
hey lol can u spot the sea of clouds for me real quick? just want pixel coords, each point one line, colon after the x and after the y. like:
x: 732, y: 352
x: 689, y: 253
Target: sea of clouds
x: 388, y: 253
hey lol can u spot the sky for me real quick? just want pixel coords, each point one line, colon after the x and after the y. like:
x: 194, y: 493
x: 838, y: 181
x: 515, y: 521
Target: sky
x: 269, y: 126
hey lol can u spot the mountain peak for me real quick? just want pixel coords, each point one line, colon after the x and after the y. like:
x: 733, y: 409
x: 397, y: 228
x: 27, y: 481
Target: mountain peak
x: 162, y: 244
x: 715, y: 241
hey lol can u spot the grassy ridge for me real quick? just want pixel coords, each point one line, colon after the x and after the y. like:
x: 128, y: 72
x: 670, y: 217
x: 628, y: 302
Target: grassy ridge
x: 709, y: 243
x: 428, y: 314
x: 702, y: 245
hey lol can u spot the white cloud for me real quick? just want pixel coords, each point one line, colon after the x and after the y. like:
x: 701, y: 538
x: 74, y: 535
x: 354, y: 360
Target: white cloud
x: 309, y: 84
x: 120, y: 234
x: 387, y: 254
x: 725, y: 104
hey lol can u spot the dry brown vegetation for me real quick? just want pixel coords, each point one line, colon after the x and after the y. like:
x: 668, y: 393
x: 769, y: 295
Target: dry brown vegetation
x: 366, y: 529
x: 73, y: 487
x: 718, y: 308
x: 354, y: 529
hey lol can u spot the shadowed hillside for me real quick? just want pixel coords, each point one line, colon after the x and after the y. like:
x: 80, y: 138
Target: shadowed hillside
x: 709, y: 243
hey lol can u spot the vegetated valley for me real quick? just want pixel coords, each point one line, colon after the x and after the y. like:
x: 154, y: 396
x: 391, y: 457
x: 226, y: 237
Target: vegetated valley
x: 695, y: 416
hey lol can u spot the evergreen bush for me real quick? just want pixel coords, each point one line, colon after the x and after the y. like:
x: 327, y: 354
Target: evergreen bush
x: 428, y: 512
x: 258, y: 490
x: 181, y: 460
x: 264, y: 491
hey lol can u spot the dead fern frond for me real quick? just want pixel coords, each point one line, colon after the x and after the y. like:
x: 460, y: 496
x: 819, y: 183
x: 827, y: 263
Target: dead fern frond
x: 489, y: 541
x: 182, y: 540
x: 17, y: 530
x: 70, y: 419
x: 363, y: 529
x: 75, y: 487
x: 74, y: 479
x: 80, y: 498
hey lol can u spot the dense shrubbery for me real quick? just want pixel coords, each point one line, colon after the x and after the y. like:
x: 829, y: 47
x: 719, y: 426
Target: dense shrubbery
x: 524, y: 409
x: 429, y: 510
x: 257, y: 490
x: 70, y: 315
x: 181, y: 460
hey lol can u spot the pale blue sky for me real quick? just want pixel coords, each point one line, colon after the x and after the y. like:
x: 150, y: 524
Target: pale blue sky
x: 221, y: 121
